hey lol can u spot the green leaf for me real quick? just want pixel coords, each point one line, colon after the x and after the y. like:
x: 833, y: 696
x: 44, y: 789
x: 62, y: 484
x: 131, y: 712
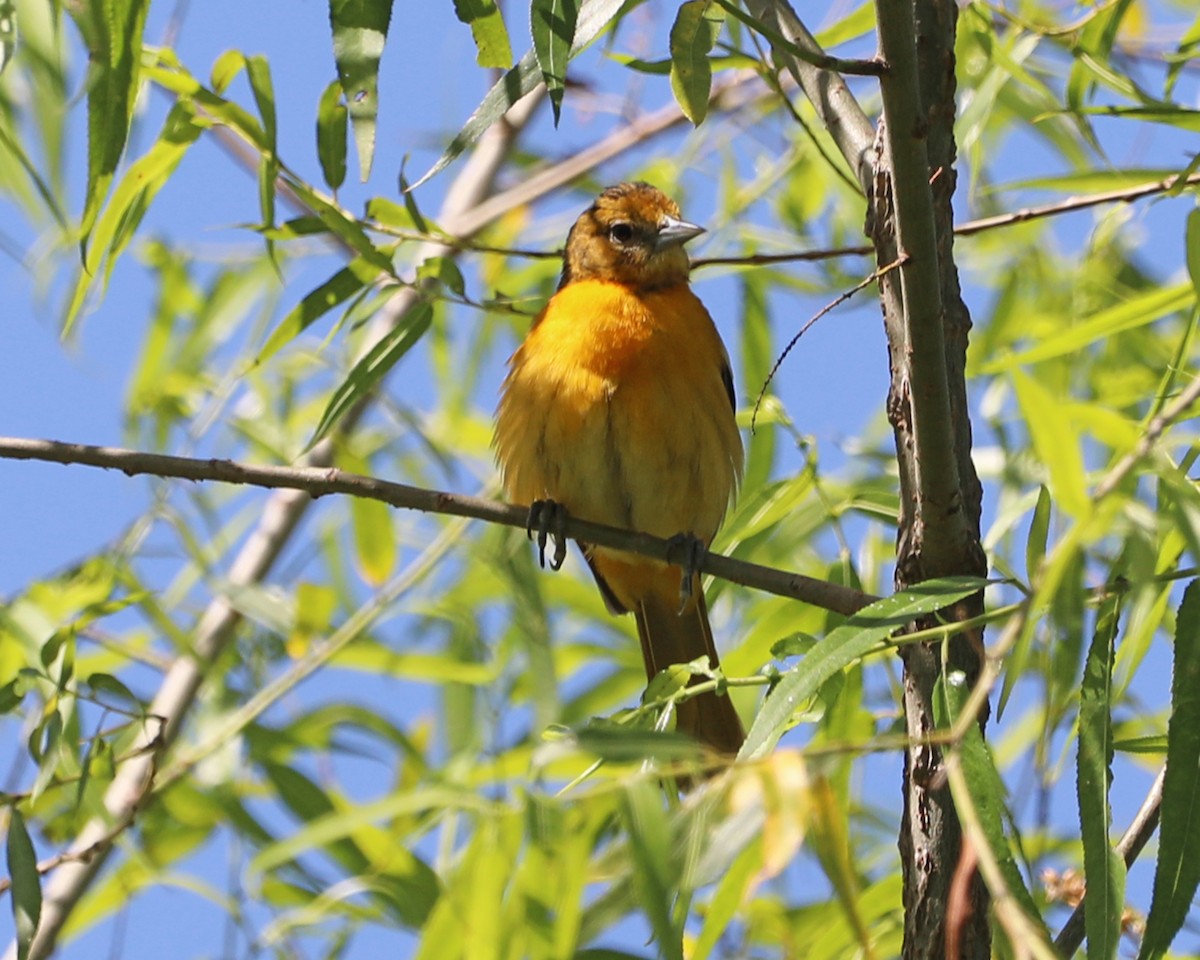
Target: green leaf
x: 654, y: 874
x: 1185, y: 54
x: 729, y: 895
x: 986, y: 790
x: 26, y: 883
x: 332, y: 122
x: 1192, y: 247
x: 1151, y: 744
x: 1104, y: 869
x: 552, y: 24
x: 594, y: 16
x: 132, y: 197
x: 488, y: 32
x: 859, y: 635
x: 374, y: 533
x: 359, y: 32
x: 374, y: 366
x: 106, y: 684
x: 1156, y: 302
x: 1177, y: 872
x: 1055, y: 442
x: 1039, y: 533
x: 113, y: 32
x: 11, y: 695
x: 8, y: 32
x: 316, y: 303
x: 697, y: 25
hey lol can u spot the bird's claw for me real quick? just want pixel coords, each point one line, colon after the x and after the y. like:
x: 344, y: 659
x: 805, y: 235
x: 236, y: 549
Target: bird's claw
x: 688, y: 551
x: 547, y: 518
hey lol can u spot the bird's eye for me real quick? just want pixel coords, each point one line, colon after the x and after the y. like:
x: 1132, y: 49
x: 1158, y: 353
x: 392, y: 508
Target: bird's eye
x: 620, y: 232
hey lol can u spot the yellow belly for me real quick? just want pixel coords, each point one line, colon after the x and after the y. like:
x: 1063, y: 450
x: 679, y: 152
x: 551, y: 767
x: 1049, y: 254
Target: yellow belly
x: 616, y: 407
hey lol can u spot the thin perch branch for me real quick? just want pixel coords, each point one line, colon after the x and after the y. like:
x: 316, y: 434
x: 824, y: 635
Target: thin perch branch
x: 323, y: 481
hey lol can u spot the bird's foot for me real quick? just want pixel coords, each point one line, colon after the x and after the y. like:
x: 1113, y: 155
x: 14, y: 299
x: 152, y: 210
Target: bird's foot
x: 688, y: 551
x: 547, y: 519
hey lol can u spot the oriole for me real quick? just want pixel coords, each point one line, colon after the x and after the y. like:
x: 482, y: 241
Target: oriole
x: 619, y: 408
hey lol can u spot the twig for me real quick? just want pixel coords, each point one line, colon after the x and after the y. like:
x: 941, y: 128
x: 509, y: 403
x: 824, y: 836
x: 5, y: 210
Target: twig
x: 842, y: 298
x: 323, y: 481
x: 1070, y: 205
x: 835, y: 105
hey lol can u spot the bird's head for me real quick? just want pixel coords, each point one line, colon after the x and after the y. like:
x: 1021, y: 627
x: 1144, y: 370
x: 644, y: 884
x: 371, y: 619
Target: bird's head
x: 632, y: 234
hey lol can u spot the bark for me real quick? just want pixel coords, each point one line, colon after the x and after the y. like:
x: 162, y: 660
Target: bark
x: 938, y: 531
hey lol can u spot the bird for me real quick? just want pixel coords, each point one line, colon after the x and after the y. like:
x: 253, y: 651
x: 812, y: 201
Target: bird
x: 619, y: 408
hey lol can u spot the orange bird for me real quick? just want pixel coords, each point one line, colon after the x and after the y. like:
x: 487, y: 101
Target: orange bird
x: 618, y: 408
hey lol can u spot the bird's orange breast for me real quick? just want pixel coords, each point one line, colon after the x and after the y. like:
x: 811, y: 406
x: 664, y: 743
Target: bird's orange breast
x: 616, y: 406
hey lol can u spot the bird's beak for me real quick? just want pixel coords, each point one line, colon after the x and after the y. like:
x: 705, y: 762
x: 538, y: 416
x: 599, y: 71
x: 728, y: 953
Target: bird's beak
x: 672, y: 233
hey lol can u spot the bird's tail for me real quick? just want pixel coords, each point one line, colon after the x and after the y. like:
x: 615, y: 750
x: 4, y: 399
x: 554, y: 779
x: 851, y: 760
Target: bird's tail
x: 668, y: 637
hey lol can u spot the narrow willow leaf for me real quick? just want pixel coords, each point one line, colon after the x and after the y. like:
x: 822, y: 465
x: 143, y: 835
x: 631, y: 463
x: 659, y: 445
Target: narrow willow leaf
x: 488, y: 32
x: 1088, y: 181
x: 1171, y: 116
x: 594, y: 16
x: 374, y: 366
x: 113, y: 31
x: 26, y: 883
x: 39, y: 183
x: 694, y: 33
x: 129, y: 202
x: 374, y: 533
x: 552, y: 26
x: 841, y: 647
x: 654, y: 876
x: 8, y: 33
x: 332, y: 125
x: 1055, y: 442
x: 315, y: 606
x: 258, y: 72
x: 1155, y: 744
x: 855, y: 24
x: 730, y: 893
x: 1192, y: 247
x: 1155, y: 303
x: 1039, y: 532
x: 359, y: 32
x: 316, y: 303
x: 1177, y: 872
x: 1186, y: 52
x: 986, y: 791
x: 1104, y: 869
x: 756, y: 355
x: 114, y: 693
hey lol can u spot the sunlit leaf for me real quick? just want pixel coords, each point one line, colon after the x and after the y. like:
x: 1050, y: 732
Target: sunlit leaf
x: 360, y: 29
x: 488, y: 31
x: 842, y: 646
x: 552, y: 24
x: 113, y: 32
x: 332, y: 119
x: 26, y: 894
x: 374, y: 365
x: 1177, y: 870
x: 1104, y: 868
x: 694, y: 33
x: 1055, y: 442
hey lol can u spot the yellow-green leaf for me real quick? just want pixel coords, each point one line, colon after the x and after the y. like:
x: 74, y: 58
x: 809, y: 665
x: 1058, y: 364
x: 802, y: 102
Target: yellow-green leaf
x: 697, y: 25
